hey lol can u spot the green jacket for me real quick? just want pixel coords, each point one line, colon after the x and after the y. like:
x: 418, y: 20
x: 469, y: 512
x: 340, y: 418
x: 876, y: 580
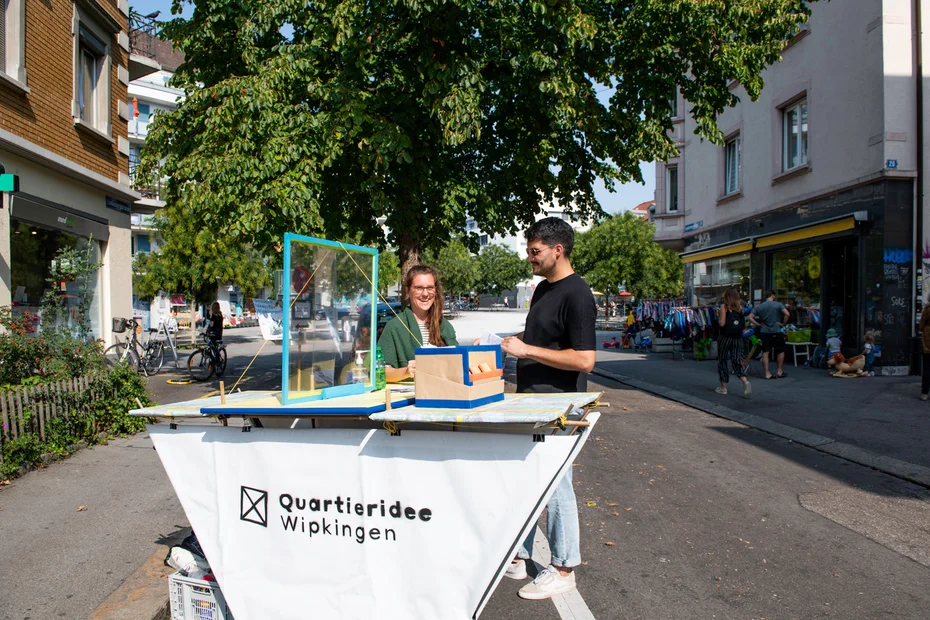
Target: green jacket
x: 398, y: 345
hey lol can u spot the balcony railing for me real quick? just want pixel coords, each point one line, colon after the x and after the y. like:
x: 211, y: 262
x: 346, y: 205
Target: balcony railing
x: 142, y: 31
x: 149, y: 188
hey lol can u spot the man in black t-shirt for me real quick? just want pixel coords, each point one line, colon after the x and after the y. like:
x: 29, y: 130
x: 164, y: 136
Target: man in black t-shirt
x: 555, y: 353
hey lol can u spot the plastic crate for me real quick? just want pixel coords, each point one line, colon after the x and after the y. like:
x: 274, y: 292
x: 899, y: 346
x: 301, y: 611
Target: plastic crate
x: 196, y: 599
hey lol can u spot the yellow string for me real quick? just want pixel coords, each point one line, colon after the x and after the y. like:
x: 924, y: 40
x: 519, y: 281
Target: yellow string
x: 378, y: 293
x: 296, y: 297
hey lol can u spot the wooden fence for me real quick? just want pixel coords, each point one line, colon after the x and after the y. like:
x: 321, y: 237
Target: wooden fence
x: 45, y: 401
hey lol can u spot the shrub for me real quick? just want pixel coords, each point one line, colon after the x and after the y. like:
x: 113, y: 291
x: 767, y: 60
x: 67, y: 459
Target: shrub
x: 102, y: 408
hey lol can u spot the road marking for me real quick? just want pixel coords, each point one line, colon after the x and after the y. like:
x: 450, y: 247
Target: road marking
x: 570, y: 605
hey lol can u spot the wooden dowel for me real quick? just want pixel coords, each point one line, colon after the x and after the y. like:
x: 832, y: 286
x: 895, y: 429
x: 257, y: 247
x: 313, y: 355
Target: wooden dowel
x: 222, y: 393
x: 139, y: 402
x: 387, y: 398
x: 576, y: 423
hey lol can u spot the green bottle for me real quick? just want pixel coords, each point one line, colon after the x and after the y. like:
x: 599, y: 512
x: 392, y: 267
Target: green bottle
x: 380, y: 376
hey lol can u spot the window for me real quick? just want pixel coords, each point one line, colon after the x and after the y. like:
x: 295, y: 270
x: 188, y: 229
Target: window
x: 91, y: 104
x: 731, y: 170
x: 710, y: 278
x: 671, y: 189
x: 794, y: 140
x: 673, y: 103
x: 482, y: 240
x: 13, y: 41
x: 91, y: 59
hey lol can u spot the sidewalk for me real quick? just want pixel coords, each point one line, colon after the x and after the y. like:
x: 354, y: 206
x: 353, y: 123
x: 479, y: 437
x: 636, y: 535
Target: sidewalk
x: 877, y: 421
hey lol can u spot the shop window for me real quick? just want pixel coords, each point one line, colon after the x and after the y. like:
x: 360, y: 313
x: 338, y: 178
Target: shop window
x: 709, y: 279
x: 12, y: 40
x: 32, y: 250
x: 794, y: 135
x: 796, y: 282
x: 671, y: 189
x: 731, y: 173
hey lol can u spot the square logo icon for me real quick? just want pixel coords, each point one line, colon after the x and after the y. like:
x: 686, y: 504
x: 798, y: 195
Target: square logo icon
x: 253, y: 506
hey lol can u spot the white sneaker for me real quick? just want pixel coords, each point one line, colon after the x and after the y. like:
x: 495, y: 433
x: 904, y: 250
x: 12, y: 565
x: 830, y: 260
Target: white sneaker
x: 747, y: 390
x: 516, y: 570
x: 547, y: 584
x: 923, y: 397
x: 720, y: 391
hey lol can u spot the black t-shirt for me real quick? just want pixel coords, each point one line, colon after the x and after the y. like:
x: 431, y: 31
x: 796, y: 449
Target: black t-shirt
x: 561, y: 317
x: 215, y: 328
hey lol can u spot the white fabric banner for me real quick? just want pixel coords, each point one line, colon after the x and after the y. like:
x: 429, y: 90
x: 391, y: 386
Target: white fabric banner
x: 358, y: 524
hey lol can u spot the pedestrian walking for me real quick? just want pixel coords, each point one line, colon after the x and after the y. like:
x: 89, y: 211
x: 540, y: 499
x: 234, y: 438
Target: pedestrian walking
x: 769, y: 317
x: 555, y: 353
x: 925, y: 346
x: 730, y: 342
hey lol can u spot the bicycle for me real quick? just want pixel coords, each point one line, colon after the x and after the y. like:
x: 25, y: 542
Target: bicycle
x: 208, y: 360
x: 152, y: 352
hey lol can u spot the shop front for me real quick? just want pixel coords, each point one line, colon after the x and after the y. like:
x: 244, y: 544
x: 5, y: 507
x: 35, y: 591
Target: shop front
x: 37, y: 233
x: 840, y: 264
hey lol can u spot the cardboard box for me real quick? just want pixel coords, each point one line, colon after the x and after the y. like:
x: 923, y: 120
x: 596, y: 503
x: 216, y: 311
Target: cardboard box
x: 445, y: 379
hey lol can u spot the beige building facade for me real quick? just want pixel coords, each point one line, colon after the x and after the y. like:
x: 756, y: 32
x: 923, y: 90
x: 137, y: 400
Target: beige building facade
x: 64, y: 70
x: 814, y: 193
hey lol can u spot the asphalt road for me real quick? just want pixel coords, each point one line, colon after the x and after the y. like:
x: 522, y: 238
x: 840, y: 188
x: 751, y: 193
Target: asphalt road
x: 708, y: 519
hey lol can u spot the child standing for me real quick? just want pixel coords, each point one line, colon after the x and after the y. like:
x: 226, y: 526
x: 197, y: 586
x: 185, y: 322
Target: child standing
x: 834, y: 344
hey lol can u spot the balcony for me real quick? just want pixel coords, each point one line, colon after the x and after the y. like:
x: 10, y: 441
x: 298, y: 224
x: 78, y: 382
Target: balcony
x: 139, y: 128
x: 142, y: 45
x: 151, y: 190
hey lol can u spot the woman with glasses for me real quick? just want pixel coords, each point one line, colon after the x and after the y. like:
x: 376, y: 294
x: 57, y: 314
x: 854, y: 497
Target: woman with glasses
x: 419, y: 323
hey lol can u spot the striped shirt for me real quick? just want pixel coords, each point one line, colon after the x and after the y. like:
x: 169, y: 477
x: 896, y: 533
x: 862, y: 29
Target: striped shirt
x: 424, y: 332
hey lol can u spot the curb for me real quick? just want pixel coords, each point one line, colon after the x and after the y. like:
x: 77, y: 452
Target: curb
x: 917, y: 474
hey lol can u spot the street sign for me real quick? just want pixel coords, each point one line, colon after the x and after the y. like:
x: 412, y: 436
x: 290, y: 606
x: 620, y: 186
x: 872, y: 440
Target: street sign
x: 891, y: 164
x: 9, y: 183
x: 694, y: 225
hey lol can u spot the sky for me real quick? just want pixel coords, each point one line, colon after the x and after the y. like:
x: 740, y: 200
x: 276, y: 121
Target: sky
x: 624, y: 198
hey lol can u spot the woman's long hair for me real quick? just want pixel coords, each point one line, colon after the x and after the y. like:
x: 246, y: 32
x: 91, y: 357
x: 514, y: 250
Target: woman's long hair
x: 732, y: 301
x: 434, y: 315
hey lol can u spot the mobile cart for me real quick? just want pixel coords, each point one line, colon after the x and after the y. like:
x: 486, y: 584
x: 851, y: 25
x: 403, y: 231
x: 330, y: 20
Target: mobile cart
x: 342, y: 501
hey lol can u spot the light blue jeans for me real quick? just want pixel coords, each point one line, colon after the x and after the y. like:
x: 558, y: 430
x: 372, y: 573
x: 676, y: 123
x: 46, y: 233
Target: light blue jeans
x: 561, y: 528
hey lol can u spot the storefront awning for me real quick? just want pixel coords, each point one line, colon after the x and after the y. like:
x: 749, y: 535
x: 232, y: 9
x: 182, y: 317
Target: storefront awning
x: 733, y: 248
x: 808, y: 232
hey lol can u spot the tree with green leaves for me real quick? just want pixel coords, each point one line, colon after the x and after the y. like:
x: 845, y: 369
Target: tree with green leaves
x: 500, y: 269
x: 458, y: 269
x: 388, y: 270
x: 195, y: 261
x: 320, y: 118
x: 620, y: 251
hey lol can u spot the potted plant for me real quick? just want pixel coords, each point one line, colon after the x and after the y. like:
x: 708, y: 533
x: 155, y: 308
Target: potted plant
x: 705, y: 348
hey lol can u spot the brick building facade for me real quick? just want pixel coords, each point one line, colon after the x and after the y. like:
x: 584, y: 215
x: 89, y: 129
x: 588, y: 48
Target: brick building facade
x: 64, y: 71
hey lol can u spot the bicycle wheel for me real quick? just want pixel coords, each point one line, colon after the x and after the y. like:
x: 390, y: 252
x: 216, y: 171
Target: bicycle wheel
x: 114, y: 354
x: 154, y: 358
x: 200, y: 365
x: 220, y: 366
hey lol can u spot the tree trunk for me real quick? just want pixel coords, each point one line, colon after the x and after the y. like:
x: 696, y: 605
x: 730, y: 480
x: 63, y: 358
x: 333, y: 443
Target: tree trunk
x: 193, y: 320
x: 408, y: 252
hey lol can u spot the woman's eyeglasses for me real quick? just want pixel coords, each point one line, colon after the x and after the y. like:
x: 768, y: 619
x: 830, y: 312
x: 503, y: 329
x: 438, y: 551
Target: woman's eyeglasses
x: 536, y: 251
x: 429, y: 290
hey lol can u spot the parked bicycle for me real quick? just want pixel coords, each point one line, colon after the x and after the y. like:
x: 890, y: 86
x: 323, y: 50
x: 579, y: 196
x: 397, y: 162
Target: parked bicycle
x: 146, y: 357
x: 208, y: 360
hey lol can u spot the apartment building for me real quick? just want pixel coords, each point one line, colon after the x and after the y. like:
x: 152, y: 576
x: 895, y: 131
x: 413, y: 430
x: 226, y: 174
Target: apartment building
x: 147, y: 96
x: 64, y: 70
x: 813, y: 194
